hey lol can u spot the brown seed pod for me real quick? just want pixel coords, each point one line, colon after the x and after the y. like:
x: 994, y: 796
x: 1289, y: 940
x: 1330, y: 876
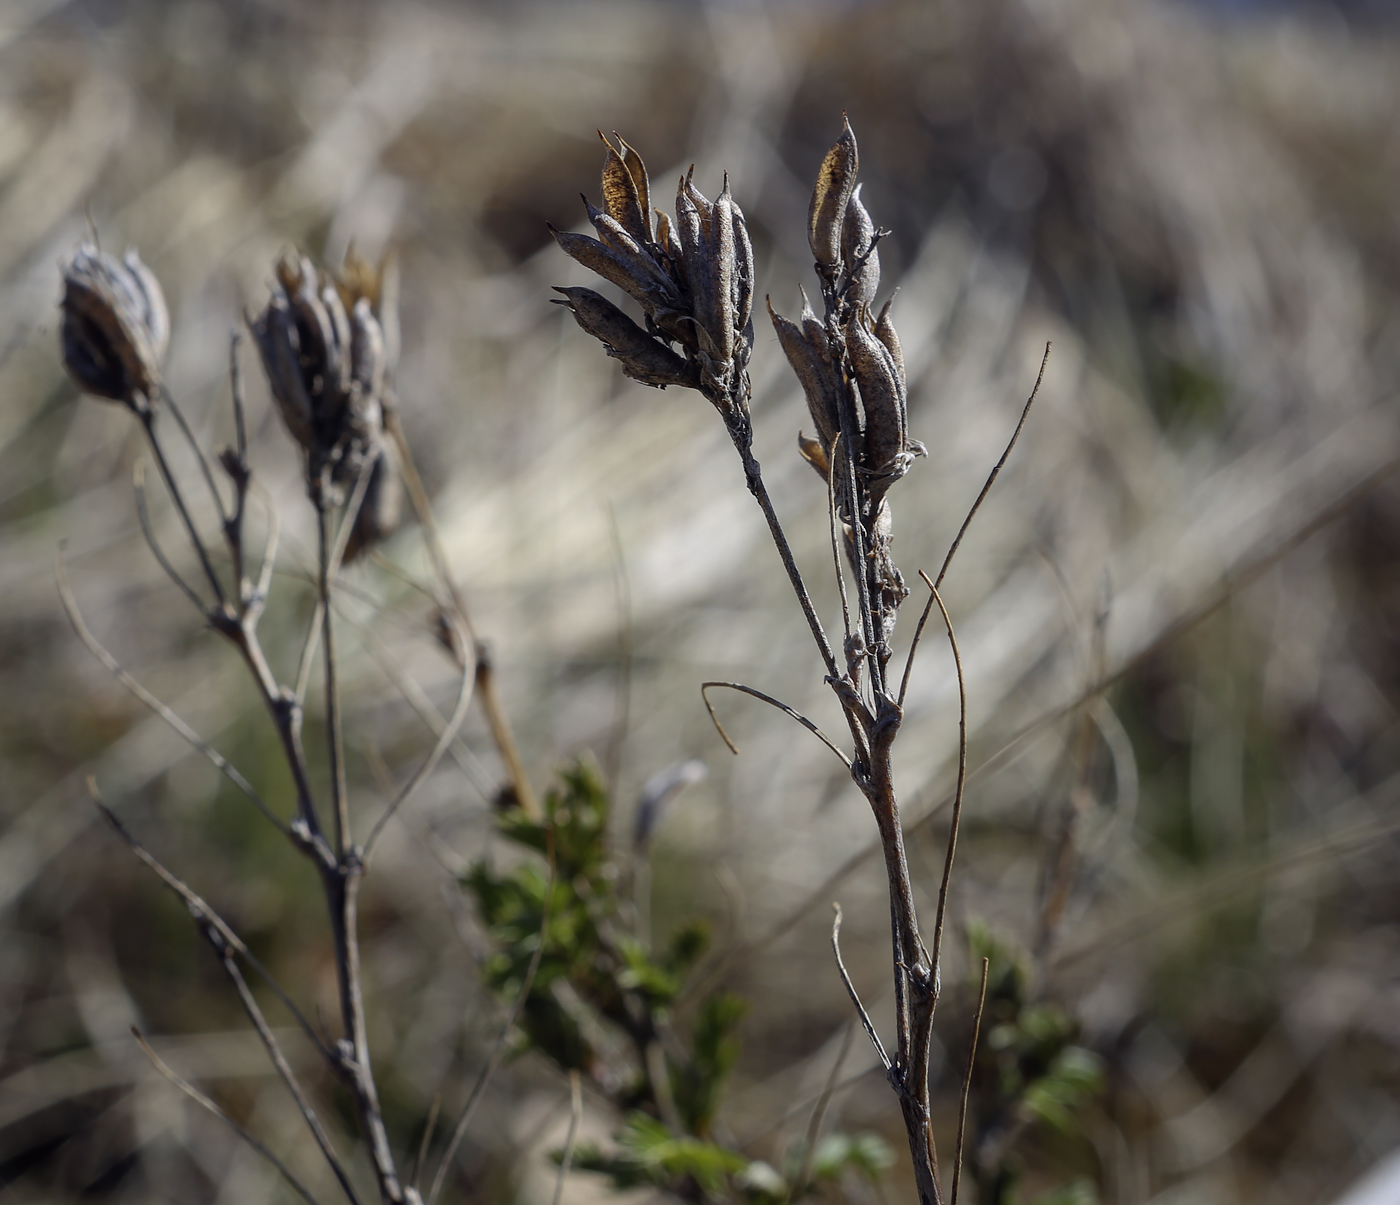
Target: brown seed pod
x: 811, y: 362
x: 885, y: 332
x: 630, y: 276
x: 643, y: 357
x: 858, y: 253
x: 743, y: 276
x: 613, y: 236
x: 886, y: 419
x: 720, y: 287
x: 115, y: 326
x: 826, y: 215
x: 625, y: 201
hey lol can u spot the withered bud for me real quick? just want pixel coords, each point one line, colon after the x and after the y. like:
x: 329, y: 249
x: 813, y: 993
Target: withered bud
x: 326, y: 371
x: 836, y: 179
x: 858, y: 253
x: 380, y: 509
x: 643, y: 357
x: 115, y: 327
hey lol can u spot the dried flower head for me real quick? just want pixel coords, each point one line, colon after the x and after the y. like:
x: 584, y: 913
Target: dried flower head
x: 115, y: 327
x: 692, y: 277
x: 326, y: 370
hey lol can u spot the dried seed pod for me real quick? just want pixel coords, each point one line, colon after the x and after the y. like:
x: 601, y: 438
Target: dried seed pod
x: 643, y: 357
x: 115, y: 327
x: 326, y: 370
x: 720, y: 289
x: 743, y: 275
x: 811, y: 361
x: 367, y: 357
x: 631, y: 276
x: 858, y: 253
x: 826, y: 215
x: 276, y: 334
x: 885, y: 332
x: 380, y: 509
x: 626, y: 193
x: 887, y: 454
x: 619, y: 240
x: 690, y: 233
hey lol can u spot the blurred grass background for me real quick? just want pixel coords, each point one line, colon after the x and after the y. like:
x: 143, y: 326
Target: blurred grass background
x: 1198, y: 208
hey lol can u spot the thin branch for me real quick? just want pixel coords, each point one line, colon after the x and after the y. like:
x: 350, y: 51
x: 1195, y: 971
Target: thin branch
x: 459, y: 1131
x: 741, y: 435
x: 203, y: 913
x: 1015, y: 435
x: 772, y: 702
x: 138, y: 483
x: 148, y: 424
x: 967, y: 1081
x: 200, y: 1099
x: 449, y: 734
x: 226, y: 944
x: 205, y: 468
x: 219, y: 761
x: 279, y: 1060
x: 836, y: 535
x: 428, y: 1127
x: 340, y: 806
x: 575, y: 1116
x: 814, y: 1124
x: 851, y: 989
x: 235, y: 377
x: 962, y: 779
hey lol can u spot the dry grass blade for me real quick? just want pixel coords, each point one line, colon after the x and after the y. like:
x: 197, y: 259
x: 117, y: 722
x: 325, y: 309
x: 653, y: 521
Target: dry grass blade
x: 814, y: 1123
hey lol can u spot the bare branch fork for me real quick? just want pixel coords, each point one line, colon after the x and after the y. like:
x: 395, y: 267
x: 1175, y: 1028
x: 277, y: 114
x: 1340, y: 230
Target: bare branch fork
x: 694, y: 278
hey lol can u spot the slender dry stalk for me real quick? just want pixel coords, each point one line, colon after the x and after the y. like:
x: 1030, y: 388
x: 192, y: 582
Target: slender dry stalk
x: 694, y: 279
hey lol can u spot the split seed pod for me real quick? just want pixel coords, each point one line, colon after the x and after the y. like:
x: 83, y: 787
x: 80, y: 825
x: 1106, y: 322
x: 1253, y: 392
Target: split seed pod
x: 115, y: 327
x: 836, y: 179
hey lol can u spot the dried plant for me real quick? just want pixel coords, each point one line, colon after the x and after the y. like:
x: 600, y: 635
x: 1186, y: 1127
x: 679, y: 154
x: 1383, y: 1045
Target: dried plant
x: 323, y: 345
x: 693, y: 278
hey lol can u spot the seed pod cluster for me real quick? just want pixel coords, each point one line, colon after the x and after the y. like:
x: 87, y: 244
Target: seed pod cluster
x: 326, y: 370
x: 851, y: 353
x: 115, y: 328
x: 693, y: 278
